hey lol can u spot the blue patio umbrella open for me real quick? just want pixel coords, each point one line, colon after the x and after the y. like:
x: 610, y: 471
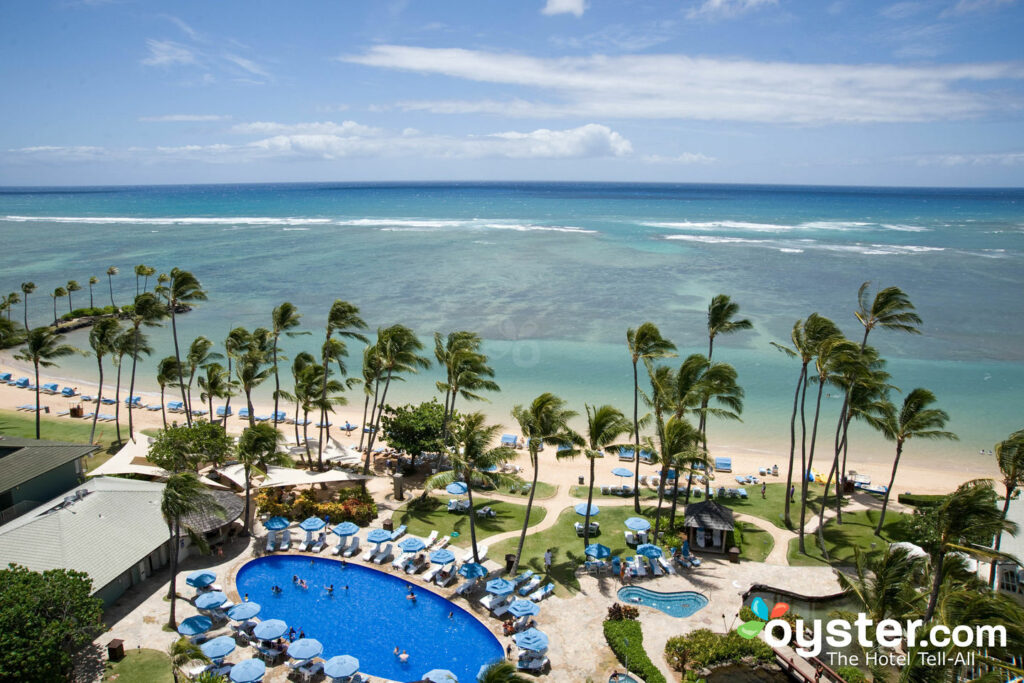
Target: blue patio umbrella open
x: 472, y: 570
x: 412, y: 544
x: 622, y: 472
x: 193, y: 626
x: 638, y: 524
x: 440, y: 676
x: 500, y: 586
x: 312, y: 524
x: 523, y: 608
x: 201, y: 578
x: 532, y: 639
x: 305, y: 648
x: 442, y: 556
x: 597, y: 550
x: 276, y: 523
x: 244, y: 610
x: 346, y: 529
x: 271, y: 629
x: 581, y: 509
x: 456, y: 488
x: 211, y: 600
x: 341, y: 666
x: 248, y: 671
x: 218, y: 648
x: 648, y: 550
x: 378, y: 536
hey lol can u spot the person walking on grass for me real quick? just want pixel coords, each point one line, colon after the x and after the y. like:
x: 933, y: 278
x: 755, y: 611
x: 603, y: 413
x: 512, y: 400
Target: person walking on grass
x: 764, y: 489
x: 547, y: 561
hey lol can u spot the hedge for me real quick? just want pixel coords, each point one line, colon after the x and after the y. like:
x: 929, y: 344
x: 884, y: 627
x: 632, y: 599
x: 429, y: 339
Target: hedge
x: 86, y: 312
x: 617, y: 633
x: 702, y: 648
x: 919, y: 500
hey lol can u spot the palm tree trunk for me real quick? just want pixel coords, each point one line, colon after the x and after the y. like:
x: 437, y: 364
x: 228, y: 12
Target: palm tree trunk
x: 54, y: 310
x: 472, y: 520
x: 163, y: 411
x: 305, y: 438
x: 172, y: 592
x: 373, y: 409
x: 297, y: 442
x: 248, y: 489
x: 590, y: 500
x: 36, y: 364
x: 933, y: 597
x: 375, y: 421
x: 661, y: 497
x: 792, y: 445
x: 362, y: 427
x: 110, y: 282
x: 209, y: 397
x: 845, y: 444
x: 99, y: 397
x: 248, y: 403
x: 69, y: 303
x: 227, y: 403
x: 177, y: 357
x: 810, y: 462
x: 26, y: 313
x: 999, y: 539
x: 91, y: 304
x: 892, y: 479
x: 117, y: 401
x: 277, y: 383
x: 636, y: 440
x: 323, y: 395
x: 529, y: 507
x: 131, y: 385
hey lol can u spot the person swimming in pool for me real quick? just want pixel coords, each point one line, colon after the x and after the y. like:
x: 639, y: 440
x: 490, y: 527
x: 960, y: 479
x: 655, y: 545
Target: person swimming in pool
x: 397, y: 651
x: 295, y: 578
x: 275, y: 589
x: 404, y: 657
x: 330, y: 589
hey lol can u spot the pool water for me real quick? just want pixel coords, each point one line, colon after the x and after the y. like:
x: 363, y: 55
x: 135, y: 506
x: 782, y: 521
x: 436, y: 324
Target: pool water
x: 371, y: 618
x: 679, y: 604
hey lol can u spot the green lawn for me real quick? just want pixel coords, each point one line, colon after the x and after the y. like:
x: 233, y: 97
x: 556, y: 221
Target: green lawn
x: 757, y: 543
x: 544, y: 490
x: 63, y: 429
x: 856, y: 531
x: 140, y: 666
x: 581, y: 492
x: 433, y: 514
x: 772, y: 507
x: 567, y: 547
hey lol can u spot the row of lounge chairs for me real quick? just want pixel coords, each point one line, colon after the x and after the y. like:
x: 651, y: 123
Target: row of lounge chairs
x: 51, y: 388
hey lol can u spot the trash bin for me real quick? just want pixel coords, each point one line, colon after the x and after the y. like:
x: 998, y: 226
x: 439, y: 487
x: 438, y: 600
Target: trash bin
x: 389, y: 524
x: 510, y: 559
x: 115, y: 650
x: 734, y: 555
x: 581, y: 480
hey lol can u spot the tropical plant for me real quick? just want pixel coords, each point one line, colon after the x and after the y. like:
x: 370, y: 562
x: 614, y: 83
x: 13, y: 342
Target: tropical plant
x: 11, y: 333
x: 214, y: 383
x: 168, y: 372
x: 466, y: 369
x: 251, y: 368
x: 300, y: 363
x: 102, y: 338
x: 343, y: 319
x: 26, y: 289
x: 184, y: 653
x: 501, y: 671
x: 58, y: 293
x: 72, y: 286
x: 284, y: 319
x: 184, y: 448
x: 1010, y: 458
x: 234, y: 344
x: 645, y: 343
x: 371, y: 385
x: 680, y: 443
x: 132, y: 344
x: 179, y: 288
x: 317, y: 399
x: 414, y: 429
x: 257, y: 450
x: 199, y: 355
x: 92, y: 281
x: 42, y: 347
x: 721, y: 312
x: 605, y: 424
x: 111, y: 272
x: 148, y: 311
x: 883, y: 587
x: 12, y: 299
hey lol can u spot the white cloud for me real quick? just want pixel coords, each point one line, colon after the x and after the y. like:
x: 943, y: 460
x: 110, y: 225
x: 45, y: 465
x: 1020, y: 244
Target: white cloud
x: 726, y: 9
x: 343, y: 129
x: 902, y: 10
x: 175, y: 118
x: 992, y: 159
x: 591, y: 140
x: 168, y: 53
x: 674, y: 86
x: 686, y: 158
x: 248, y: 66
x: 185, y: 28
x: 968, y: 6
x: 574, y: 7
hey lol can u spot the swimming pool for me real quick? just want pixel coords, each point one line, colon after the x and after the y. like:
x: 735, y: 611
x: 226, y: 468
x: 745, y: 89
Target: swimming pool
x: 371, y: 618
x: 681, y: 604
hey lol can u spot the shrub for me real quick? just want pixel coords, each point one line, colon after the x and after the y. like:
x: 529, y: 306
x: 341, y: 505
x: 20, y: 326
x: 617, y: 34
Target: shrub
x: 617, y: 633
x: 852, y: 674
x: 354, y: 506
x: 619, y: 612
x: 919, y: 500
x: 702, y: 648
x: 86, y: 312
x: 672, y: 540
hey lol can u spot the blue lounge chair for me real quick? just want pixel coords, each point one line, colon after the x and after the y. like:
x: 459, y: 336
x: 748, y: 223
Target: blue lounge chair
x: 133, y: 401
x: 646, y: 456
x: 176, y: 407
x: 50, y: 388
x: 29, y: 407
x: 108, y: 401
x: 319, y: 424
x: 68, y: 392
x: 154, y: 407
x: 224, y: 411
x: 723, y: 464
x: 280, y: 416
x: 5, y: 377
x: 199, y: 412
x: 542, y: 593
x: 627, y: 454
x: 398, y: 533
x: 243, y: 413
x: 22, y: 383
x: 261, y: 418
x: 616, y: 565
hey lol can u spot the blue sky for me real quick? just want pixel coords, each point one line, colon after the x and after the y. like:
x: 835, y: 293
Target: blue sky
x: 917, y: 92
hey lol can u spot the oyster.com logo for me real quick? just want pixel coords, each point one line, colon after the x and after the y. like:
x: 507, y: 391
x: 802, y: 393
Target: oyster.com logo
x: 750, y: 629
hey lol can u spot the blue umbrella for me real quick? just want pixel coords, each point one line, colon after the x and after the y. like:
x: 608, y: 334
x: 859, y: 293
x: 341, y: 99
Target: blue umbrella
x: 346, y: 529
x: 201, y: 578
x: 622, y: 472
x: 270, y: 629
x: 412, y: 544
x: 472, y: 570
x: 341, y: 666
x: 218, y: 648
x: 211, y: 600
x: 244, y: 610
x: 378, y: 536
x: 305, y: 648
x: 442, y: 556
x: 597, y: 550
x: 440, y: 676
x: 456, y: 488
x: 638, y: 524
x: 500, y: 586
x: 248, y: 671
x: 312, y: 524
x: 276, y: 523
x: 648, y: 550
x: 193, y: 626
x: 532, y: 639
x: 348, y: 426
x: 581, y: 509
x: 523, y: 608
x: 490, y: 468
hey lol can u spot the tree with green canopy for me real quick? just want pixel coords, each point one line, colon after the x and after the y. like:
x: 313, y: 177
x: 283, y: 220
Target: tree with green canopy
x: 26, y: 289
x: 168, y: 372
x: 605, y: 425
x: 414, y: 429
x: 343, y: 319
x: 72, y: 286
x: 148, y: 311
x: 284, y: 319
x: 179, y: 288
x: 644, y: 343
x: 257, y: 450
x: 111, y: 272
x: 186, y: 448
x: 42, y: 347
x: 102, y: 339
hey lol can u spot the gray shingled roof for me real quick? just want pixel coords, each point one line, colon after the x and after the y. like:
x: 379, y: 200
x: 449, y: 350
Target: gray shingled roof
x: 33, y: 458
x: 708, y: 514
x: 207, y: 521
x: 116, y: 524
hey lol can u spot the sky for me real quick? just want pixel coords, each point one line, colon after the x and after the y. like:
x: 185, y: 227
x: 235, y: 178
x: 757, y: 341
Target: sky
x: 843, y: 92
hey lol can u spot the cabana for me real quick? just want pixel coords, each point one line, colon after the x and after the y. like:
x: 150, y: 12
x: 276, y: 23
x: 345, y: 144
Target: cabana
x: 708, y: 526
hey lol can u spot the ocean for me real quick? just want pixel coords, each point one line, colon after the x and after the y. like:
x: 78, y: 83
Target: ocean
x: 552, y: 275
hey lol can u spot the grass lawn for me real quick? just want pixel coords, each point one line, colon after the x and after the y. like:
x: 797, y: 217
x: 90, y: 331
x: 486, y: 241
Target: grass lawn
x: 140, y: 666
x: 544, y: 490
x: 856, y: 531
x: 772, y: 507
x: 63, y: 429
x: 757, y: 543
x: 568, y: 547
x: 433, y: 514
x: 581, y: 492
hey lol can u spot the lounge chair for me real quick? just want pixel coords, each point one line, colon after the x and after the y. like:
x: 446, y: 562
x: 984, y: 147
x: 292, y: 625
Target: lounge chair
x: 605, y: 490
x: 643, y: 480
x: 400, y: 560
x: 630, y: 538
x: 466, y: 587
x: 199, y: 412
x: 340, y: 547
x: 353, y: 548
x: 321, y: 541
x: 22, y: 383
x: 304, y: 544
x: 723, y: 464
x: 641, y: 537
x: 153, y: 407
x: 271, y: 539
x: 638, y: 567
x: 5, y: 377
x: 524, y: 576
x: 108, y: 401
x: 50, y: 388
x: 243, y: 413
x: 491, y: 601
x: 742, y: 492
x: 67, y: 392
x: 655, y: 481
x: 647, y: 457
x: 595, y: 528
x: 447, y: 576
x: 429, y: 540
x: 501, y: 609
x: 530, y: 586
x: 431, y: 573
x: 481, y: 553
x: 399, y: 532
x: 626, y: 454
x: 417, y: 563
x: 542, y: 593
x: 383, y: 555
x: 262, y: 418
x: 666, y: 565
x: 370, y: 552
x: 532, y: 663
x: 280, y: 416
x: 616, y: 565
x: 176, y: 407
x: 286, y: 540
x: 442, y: 543
x: 224, y: 411
x: 655, y: 567
x: 627, y: 490
x: 62, y: 413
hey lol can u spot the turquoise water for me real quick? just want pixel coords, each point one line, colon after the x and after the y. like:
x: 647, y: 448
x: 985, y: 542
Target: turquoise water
x: 680, y: 604
x: 371, y: 618
x: 553, y: 274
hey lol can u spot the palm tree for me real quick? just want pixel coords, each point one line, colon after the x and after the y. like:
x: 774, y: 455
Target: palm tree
x: 680, y: 443
x: 251, y: 368
x: 343, y: 319
x: 605, y: 424
x: 168, y: 371
x: 111, y: 272
x: 42, y: 346
x: 284, y: 318
x: 26, y: 289
x: 234, y: 345
x: 471, y: 457
x: 915, y: 420
x: 58, y: 293
x: 545, y: 421
x: 215, y: 383
x: 721, y: 312
x: 181, y: 287
x: 149, y: 311
x: 645, y: 343
x: 371, y: 384
x: 72, y: 286
x: 467, y: 371
x: 12, y: 299
x: 140, y: 270
x: 883, y: 587
x: 102, y: 338
x: 183, y: 495
x: 183, y: 652
x: 132, y: 344
x: 257, y: 450
x: 146, y: 273
x: 302, y: 360
x: 501, y: 671
x: 199, y: 354
x: 316, y: 400
x: 1010, y: 458
x: 92, y: 281
x: 11, y: 334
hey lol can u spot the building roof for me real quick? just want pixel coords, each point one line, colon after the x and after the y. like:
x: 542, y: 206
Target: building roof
x: 131, y: 459
x: 102, y: 528
x: 708, y: 514
x: 204, y: 522
x: 22, y: 460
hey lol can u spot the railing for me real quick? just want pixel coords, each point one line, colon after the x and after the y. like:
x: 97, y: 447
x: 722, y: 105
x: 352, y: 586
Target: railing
x: 810, y: 670
x: 17, y: 510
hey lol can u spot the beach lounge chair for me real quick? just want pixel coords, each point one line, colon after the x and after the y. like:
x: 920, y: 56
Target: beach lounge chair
x: 88, y: 416
x: 742, y: 493
x: 530, y: 586
x: 280, y: 416
x: 50, y: 388
x: 481, y: 552
x: 501, y: 609
x: 370, y: 552
x: 383, y: 555
x: 398, y: 533
x: 542, y: 593
x: 176, y: 407
x: 243, y: 413
x: 466, y: 587
x: 271, y: 541
x: 199, y: 412
x: 491, y: 601
x: 304, y: 544
x: 630, y: 538
x: 655, y: 480
x: 340, y: 546
x: 666, y: 565
x: 108, y: 402
x: 723, y: 464
x: 22, y: 383
x: 442, y: 543
x: 616, y: 565
x: 153, y: 407
x: 353, y: 548
x: 62, y: 413
x: 413, y: 566
x: 429, y: 540
x: 431, y: 573
x: 224, y: 411
x: 318, y: 424
x: 67, y: 392
x: 638, y: 566
x: 286, y: 540
x: 5, y: 377
x: 643, y: 480
x: 605, y: 490
x: 594, y: 528
x: 321, y: 541
x: 627, y: 490
x: 262, y: 418
x: 524, y: 576
x: 447, y: 576
x: 655, y: 567
x: 627, y: 454
x: 401, y: 559
x: 646, y: 457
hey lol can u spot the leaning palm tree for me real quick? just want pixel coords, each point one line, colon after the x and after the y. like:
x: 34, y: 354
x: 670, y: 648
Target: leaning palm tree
x: 58, y: 293
x: 721, y: 312
x: 545, y: 421
x: 302, y: 360
x: 111, y: 272
x: 140, y: 270
x: 72, y: 287
x: 148, y: 311
x: 605, y: 424
x: 102, y: 338
x: 645, y: 343
x: 318, y: 401
x: 501, y: 671
x: 26, y: 289
x: 168, y: 372
x: 179, y: 288
x: 183, y: 653
x: 343, y: 319
x: 466, y: 369
x: 284, y: 319
x: 235, y: 344
x: 199, y: 355
x: 680, y: 443
x: 132, y: 344
x: 914, y: 420
x: 371, y: 385
x: 1010, y: 458
x: 12, y: 299
x: 183, y: 495
x: 92, y: 281
x: 214, y: 383
x: 42, y: 347
x: 252, y: 368
x: 475, y: 463
x: 257, y: 450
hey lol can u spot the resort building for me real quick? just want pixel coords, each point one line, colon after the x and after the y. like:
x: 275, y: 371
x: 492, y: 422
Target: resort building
x: 33, y: 471
x: 708, y: 526
x: 1010, y: 575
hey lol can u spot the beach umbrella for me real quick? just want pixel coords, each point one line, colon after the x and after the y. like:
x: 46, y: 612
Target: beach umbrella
x: 341, y: 666
x: 211, y: 600
x: 244, y: 610
x: 378, y: 536
x: 412, y: 544
x: 532, y: 639
x: 346, y: 529
x: 193, y: 626
x: 581, y: 509
x: 648, y: 550
x: 490, y: 468
x: 456, y: 488
x: 523, y: 608
x: 442, y: 556
x: 276, y: 523
x: 248, y: 671
x: 472, y: 570
x: 622, y: 472
x: 271, y: 629
x: 218, y: 648
x: 312, y: 524
x: 305, y: 648
x: 638, y: 524
x: 500, y: 586
x: 440, y: 676
x: 201, y: 578
x: 597, y: 550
